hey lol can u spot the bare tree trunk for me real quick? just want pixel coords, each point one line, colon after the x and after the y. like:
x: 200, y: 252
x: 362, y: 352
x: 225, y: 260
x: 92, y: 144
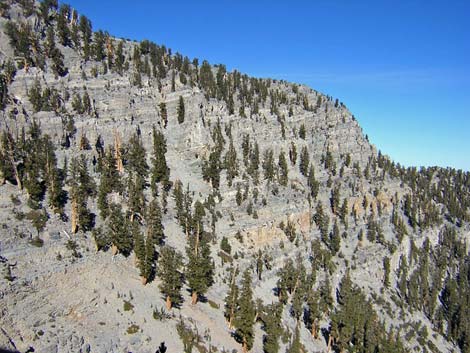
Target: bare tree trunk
x: 314, y: 330
x: 143, y: 280
x: 168, y: 302
x: 74, y: 216
x: 194, y: 297
x: 245, y: 345
x: 197, y: 241
x: 117, y: 152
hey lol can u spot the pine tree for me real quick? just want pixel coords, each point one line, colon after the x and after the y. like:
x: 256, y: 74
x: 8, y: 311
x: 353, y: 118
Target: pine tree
x: 304, y: 161
x: 110, y: 181
x: 118, y: 225
x: 160, y: 172
x: 283, y: 169
x: 386, y: 264
x: 302, y: 132
x: 169, y: 265
x: 268, y: 165
x: 231, y: 299
x: 180, y: 110
x: 296, y: 346
x: 81, y: 187
x: 273, y: 327
x: 293, y: 153
x: 314, y: 313
x: 200, y: 268
x: 155, y: 228
x: 63, y: 30
x: 245, y: 314
x: 231, y: 163
x: 313, y: 184
x: 163, y: 114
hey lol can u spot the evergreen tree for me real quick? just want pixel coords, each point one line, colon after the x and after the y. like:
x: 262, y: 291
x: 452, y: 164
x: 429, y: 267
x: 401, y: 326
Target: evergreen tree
x: 231, y: 163
x: 81, y: 187
x: 313, y: 184
x: 231, y: 300
x: 273, y: 327
x: 386, y: 264
x: 268, y: 165
x: 163, y: 114
x: 245, y: 314
x: 334, y: 200
x: 283, y: 169
x: 296, y: 346
x: 169, y: 265
x: 314, y: 313
x: 322, y: 221
x: 200, y: 268
x: 293, y: 153
x: 155, y: 229
x: 118, y: 225
x: 304, y: 161
x: 302, y: 132
x: 63, y: 30
x: 180, y: 110
x: 110, y: 181
x: 160, y: 172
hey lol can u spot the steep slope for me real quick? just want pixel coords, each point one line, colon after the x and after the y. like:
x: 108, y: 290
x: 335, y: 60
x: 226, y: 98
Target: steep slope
x: 255, y: 174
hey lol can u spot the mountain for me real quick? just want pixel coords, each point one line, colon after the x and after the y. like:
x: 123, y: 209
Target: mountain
x: 152, y: 202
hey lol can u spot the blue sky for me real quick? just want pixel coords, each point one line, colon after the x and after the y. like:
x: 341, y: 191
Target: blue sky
x: 401, y: 67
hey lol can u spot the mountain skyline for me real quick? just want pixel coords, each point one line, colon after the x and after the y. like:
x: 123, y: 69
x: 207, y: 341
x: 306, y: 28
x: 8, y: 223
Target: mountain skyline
x: 402, y: 70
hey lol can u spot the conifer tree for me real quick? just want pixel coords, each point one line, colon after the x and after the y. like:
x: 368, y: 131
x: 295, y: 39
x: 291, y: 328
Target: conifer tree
x: 313, y: 184
x: 163, y: 114
x: 245, y: 314
x: 254, y: 163
x: 386, y: 264
x: 273, y: 327
x: 268, y: 165
x: 302, y: 131
x: 63, y: 30
x: 296, y: 346
x: 314, y: 313
x: 230, y: 306
x: 231, y: 163
x: 200, y: 268
x: 180, y: 110
x: 136, y: 157
x: 155, y: 228
x: 110, y: 181
x: 293, y: 153
x: 160, y: 172
x: 283, y: 169
x: 169, y: 265
x: 81, y: 187
x: 304, y: 161
x: 119, y: 227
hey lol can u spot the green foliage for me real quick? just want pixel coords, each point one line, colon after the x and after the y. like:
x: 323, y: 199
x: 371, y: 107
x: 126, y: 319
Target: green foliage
x: 283, y: 176
x: 160, y: 173
x: 119, y: 229
x: 169, y: 265
x: 272, y: 325
x: 231, y: 163
x: 245, y: 313
x: 268, y: 165
x: 200, y: 267
x: 355, y: 323
x: 304, y: 161
x: 225, y: 245
x: 180, y: 110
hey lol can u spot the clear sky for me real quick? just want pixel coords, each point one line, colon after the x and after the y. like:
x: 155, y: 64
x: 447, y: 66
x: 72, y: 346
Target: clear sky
x: 402, y: 67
